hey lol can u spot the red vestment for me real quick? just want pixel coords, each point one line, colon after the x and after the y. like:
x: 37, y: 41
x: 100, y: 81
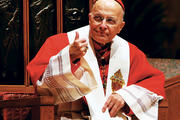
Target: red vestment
x: 141, y: 72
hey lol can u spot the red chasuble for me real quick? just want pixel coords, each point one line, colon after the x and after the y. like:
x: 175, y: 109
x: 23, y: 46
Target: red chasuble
x: 141, y: 72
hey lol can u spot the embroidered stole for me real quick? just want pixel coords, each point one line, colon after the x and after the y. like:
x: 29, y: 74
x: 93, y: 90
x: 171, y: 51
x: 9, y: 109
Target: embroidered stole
x: 119, y: 60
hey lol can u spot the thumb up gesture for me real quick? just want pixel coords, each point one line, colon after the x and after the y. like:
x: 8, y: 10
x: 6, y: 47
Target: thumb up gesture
x: 78, y: 48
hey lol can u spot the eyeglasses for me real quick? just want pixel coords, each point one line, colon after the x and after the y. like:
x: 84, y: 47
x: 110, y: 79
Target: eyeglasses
x: 109, y: 20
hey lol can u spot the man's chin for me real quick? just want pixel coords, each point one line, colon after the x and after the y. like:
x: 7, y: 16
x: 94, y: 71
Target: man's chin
x: 102, y: 40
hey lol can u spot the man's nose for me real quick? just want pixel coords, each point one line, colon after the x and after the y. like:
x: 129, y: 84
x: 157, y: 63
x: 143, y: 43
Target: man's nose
x: 103, y: 25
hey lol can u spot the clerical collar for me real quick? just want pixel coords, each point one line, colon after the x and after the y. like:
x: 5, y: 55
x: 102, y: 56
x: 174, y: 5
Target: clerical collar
x: 100, y: 45
x: 102, y: 52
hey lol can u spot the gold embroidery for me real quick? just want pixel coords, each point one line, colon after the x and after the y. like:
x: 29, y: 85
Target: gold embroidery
x: 117, y: 81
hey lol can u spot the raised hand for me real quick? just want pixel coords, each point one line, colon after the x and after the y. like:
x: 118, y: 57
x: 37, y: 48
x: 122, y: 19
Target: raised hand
x: 78, y: 48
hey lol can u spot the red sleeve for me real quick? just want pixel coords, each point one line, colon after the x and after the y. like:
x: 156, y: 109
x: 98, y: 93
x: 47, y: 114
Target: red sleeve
x: 51, y: 47
x: 143, y: 74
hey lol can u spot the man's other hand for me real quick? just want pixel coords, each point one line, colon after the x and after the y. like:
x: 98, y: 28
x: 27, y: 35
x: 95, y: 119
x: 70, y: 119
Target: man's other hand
x: 114, y: 103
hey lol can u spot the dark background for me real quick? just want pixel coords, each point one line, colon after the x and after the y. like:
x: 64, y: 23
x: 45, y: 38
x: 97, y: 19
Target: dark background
x: 153, y: 26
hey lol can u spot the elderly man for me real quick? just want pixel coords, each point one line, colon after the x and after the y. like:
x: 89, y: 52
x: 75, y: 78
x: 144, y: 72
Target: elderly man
x: 112, y: 75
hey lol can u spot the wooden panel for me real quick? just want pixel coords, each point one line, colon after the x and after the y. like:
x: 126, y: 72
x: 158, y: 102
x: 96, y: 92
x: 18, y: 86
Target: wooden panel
x: 59, y: 16
x: 75, y: 15
x: 26, y: 39
x: 17, y: 89
x: 60, y: 12
x: 163, y: 110
x: 42, y: 17
x: 172, y: 93
x: 27, y: 100
x: 47, y: 112
x: 11, y: 42
x: 43, y: 113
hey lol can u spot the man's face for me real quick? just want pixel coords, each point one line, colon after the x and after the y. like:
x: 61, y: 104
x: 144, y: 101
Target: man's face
x: 105, y: 20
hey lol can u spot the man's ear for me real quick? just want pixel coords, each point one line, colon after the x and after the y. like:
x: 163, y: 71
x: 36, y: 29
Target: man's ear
x: 89, y: 17
x: 121, y: 26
